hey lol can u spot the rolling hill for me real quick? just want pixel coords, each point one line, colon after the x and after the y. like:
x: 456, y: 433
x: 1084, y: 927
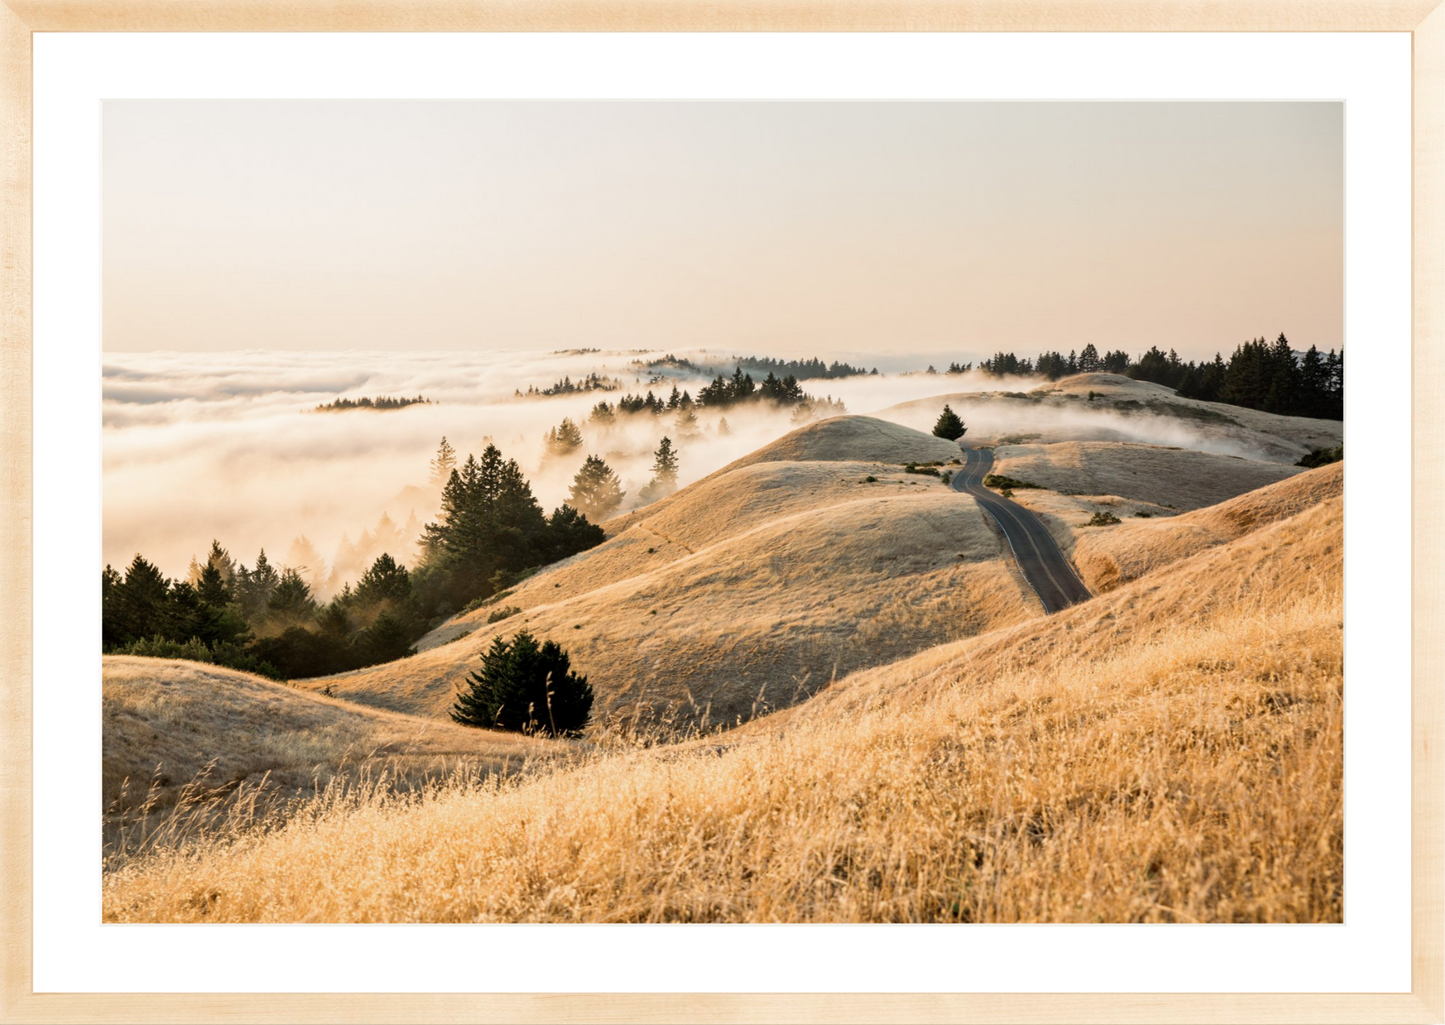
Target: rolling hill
x: 168, y: 723
x: 1167, y: 752
x: 749, y: 590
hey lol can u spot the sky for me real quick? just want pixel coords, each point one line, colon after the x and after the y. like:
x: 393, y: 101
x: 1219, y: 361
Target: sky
x: 799, y: 228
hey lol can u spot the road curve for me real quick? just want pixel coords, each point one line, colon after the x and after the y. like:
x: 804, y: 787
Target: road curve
x: 1050, y: 574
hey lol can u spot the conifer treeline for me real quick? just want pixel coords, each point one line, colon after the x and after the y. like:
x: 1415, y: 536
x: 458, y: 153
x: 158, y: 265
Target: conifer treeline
x: 382, y: 402
x: 1262, y: 375
x: 491, y: 531
x: 802, y: 369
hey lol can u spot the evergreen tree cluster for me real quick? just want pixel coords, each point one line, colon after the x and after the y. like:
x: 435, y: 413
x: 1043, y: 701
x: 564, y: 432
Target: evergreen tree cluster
x: 260, y: 619
x: 592, y: 382
x: 490, y: 530
x: 1268, y: 376
x: 382, y: 402
x: 801, y: 369
x: 525, y: 687
x: 268, y: 620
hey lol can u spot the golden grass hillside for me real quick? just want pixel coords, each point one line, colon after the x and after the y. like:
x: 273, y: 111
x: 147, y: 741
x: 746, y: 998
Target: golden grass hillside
x: 1109, y: 556
x: 165, y: 721
x: 761, y: 618
x: 725, y: 504
x: 1121, y: 409
x: 1163, y: 477
x: 1168, y: 752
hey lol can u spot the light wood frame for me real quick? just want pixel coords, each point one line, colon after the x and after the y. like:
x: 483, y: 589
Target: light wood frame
x: 1424, y: 19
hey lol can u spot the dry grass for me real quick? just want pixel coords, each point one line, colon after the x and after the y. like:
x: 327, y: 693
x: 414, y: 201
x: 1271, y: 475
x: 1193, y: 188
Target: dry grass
x: 749, y: 590
x: 1142, y: 473
x: 758, y: 620
x: 175, y: 730
x: 1168, y: 752
x: 1108, y: 558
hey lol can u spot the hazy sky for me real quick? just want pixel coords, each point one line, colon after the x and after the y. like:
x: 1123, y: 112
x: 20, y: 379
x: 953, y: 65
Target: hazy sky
x: 784, y: 227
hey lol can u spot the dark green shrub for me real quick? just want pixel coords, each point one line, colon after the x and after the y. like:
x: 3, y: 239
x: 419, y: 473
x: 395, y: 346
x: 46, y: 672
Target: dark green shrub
x: 525, y: 687
x: 1102, y: 519
x: 999, y: 480
x: 505, y: 612
x: 385, y: 640
x: 298, y: 653
x: 1322, y: 457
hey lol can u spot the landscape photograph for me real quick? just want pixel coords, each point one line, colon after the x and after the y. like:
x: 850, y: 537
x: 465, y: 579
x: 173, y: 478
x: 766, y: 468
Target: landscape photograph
x: 722, y: 512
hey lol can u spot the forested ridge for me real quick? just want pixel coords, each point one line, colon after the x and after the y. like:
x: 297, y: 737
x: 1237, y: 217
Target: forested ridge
x: 1268, y: 376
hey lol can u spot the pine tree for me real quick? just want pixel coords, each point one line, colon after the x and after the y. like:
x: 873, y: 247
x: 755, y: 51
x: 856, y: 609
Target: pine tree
x: 387, y: 639
x: 443, y: 464
x: 596, y: 490
x: 664, y: 473
x: 387, y: 536
x: 569, y: 532
x: 686, y: 424
x: 489, y: 521
x: 291, y: 600
x: 526, y: 688
x: 604, y: 415
x: 561, y: 440
x: 949, y: 426
x: 723, y: 430
x: 386, y: 582
x: 137, y: 606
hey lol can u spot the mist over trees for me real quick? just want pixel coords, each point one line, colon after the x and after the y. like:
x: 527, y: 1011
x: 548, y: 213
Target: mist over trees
x: 489, y: 533
x: 802, y: 369
x: 1268, y: 376
x: 596, y: 490
x: 381, y: 402
x: 664, y: 473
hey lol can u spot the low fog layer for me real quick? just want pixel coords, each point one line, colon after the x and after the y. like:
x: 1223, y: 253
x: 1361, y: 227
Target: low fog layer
x: 229, y: 445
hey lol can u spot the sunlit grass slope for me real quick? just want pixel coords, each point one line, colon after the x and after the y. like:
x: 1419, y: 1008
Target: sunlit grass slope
x: 1165, y: 477
x: 165, y: 721
x: 1170, y: 751
x: 759, y: 620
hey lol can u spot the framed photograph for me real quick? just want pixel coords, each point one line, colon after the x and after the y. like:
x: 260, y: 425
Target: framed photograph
x: 725, y: 513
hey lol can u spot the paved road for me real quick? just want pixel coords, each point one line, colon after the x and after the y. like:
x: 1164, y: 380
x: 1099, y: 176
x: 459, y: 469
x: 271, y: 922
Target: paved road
x: 1050, y: 574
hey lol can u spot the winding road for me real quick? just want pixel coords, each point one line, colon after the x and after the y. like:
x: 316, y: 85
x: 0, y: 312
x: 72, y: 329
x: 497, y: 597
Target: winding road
x: 1050, y: 574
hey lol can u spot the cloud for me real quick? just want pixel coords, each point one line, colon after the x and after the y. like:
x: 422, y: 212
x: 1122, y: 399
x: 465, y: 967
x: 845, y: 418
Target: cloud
x: 228, y: 445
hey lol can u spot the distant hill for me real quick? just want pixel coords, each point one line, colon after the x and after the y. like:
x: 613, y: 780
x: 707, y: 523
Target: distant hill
x: 1121, y: 409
